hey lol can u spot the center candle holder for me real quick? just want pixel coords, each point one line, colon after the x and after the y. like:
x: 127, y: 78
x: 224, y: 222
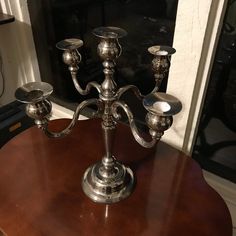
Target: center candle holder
x: 107, y: 181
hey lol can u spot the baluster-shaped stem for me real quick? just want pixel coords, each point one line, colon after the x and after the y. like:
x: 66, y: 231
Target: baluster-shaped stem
x: 108, y: 181
x: 108, y: 50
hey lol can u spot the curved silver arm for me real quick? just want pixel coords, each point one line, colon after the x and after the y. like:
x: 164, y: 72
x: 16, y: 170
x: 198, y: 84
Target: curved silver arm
x: 133, y: 126
x: 88, y: 86
x: 76, y: 115
x: 124, y: 89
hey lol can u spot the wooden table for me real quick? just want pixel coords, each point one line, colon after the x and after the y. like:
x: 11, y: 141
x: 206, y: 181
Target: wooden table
x: 41, y: 195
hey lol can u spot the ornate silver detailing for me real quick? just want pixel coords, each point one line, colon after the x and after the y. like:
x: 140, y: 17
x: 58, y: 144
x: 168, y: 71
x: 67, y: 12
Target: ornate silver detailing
x: 160, y: 63
x: 116, y: 187
x: 107, y: 181
x: 35, y: 94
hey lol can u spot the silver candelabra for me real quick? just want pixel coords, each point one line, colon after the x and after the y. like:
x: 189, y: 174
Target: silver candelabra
x: 107, y: 181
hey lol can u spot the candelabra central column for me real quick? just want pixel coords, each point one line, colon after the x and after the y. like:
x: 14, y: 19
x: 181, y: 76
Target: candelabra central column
x: 108, y: 181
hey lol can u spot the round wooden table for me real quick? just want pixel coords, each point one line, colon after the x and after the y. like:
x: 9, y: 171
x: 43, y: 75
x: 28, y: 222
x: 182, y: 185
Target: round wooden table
x: 41, y: 194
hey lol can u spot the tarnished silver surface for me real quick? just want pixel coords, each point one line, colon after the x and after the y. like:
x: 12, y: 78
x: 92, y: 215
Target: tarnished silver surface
x: 126, y: 88
x: 109, y: 32
x: 116, y: 187
x: 158, y: 124
x: 161, y: 107
x: 162, y: 104
x: 160, y: 50
x: 39, y: 111
x: 71, y: 58
x: 90, y: 85
x: 69, y: 44
x: 134, y: 129
x: 160, y: 63
x: 109, y: 48
x: 68, y: 129
x: 108, y: 181
x: 33, y: 92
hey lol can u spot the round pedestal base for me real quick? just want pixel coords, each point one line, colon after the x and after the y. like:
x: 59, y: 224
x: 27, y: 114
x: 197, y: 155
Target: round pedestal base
x: 108, y: 189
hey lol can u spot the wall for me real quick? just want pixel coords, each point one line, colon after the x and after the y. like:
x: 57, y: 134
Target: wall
x: 197, y: 29
x: 17, y: 49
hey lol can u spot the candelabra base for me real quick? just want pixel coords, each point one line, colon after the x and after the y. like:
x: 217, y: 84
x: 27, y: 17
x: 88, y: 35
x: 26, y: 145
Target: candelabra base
x: 108, y: 189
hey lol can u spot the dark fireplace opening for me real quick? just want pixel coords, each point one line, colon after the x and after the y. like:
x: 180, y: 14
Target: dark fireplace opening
x: 215, y: 146
x: 148, y: 23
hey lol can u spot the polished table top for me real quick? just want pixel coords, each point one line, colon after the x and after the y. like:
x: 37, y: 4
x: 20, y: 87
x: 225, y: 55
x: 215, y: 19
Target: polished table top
x: 41, y: 194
